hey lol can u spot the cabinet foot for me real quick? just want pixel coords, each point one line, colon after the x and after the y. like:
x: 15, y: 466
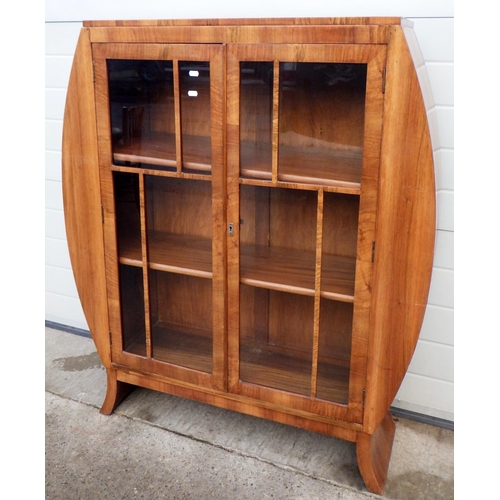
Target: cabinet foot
x: 116, y: 392
x: 374, y: 452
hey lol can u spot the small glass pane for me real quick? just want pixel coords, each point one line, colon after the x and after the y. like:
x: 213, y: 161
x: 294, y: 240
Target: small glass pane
x: 276, y: 339
x: 142, y: 111
x: 277, y: 263
x: 334, y: 354
x: 339, y: 245
x: 278, y: 238
x: 181, y: 318
x: 179, y: 242
x: 179, y: 225
x: 194, y: 87
x: 131, y: 286
x: 128, y: 217
x: 321, y: 122
x: 256, y: 116
x: 132, y: 309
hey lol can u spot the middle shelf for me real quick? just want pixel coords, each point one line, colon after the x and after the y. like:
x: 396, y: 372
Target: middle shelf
x: 176, y: 253
x: 280, y: 269
x: 293, y: 271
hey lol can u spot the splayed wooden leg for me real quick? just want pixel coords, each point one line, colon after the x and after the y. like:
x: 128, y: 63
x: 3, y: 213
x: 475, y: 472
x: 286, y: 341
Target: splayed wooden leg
x: 116, y: 392
x: 374, y: 452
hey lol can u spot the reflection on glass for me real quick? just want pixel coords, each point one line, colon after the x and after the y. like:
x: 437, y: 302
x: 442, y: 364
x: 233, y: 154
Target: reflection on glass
x: 142, y: 113
x: 194, y: 88
x: 256, y: 114
x: 321, y: 121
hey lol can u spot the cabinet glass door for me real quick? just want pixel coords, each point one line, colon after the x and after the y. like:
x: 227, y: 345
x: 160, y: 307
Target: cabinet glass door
x: 165, y: 165
x: 302, y: 200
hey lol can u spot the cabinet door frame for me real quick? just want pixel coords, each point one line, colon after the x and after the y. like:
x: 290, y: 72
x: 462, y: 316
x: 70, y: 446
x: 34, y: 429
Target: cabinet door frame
x: 374, y: 56
x: 215, y: 54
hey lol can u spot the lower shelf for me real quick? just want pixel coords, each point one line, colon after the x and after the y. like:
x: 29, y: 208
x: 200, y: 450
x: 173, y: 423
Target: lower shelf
x: 293, y: 374
x: 286, y: 372
x: 178, y: 348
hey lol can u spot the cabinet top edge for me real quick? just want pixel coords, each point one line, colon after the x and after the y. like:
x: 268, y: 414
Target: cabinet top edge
x: 323, y: 21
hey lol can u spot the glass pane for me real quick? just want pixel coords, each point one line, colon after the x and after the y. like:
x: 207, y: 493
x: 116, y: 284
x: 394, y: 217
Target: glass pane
x: 340, y: 238
x: 321, y: 122
x: 256, y: 116
x: 179, y: 225
x: 277, y: 259
x: 142, y: 113
x: 181, y: 315
x: 179, y: 239
x: 276, y: 339
x: 131, y: 286
x: 340, y: 235
x: 334, y: 353
x: 278, y: 238
x: 194, y: 88
x: 132, y: 309
x: 128, y: 218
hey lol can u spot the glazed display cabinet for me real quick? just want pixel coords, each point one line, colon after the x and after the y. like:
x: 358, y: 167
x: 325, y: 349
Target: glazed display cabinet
x: 250, y: 213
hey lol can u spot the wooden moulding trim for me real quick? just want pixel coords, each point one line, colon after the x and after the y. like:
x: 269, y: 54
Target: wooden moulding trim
x: 313, y: 422
x: 81, y: 197
x: 292, y: 34
x: 405, y: 234
x: 334, y: 21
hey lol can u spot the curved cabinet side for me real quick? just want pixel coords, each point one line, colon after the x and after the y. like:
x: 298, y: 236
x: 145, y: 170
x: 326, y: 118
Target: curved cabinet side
x: 81, y: 196
x: 405, y: 233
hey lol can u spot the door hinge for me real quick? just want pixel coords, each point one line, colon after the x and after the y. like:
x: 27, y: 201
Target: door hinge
x: 373, y: 251
x: 363, y: 399
x: 102, y: 213
x: 384, y: 75
x: 93, y: 71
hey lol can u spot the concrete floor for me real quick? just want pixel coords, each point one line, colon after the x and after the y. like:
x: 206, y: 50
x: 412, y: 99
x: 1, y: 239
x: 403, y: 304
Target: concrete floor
x: 157, y: 446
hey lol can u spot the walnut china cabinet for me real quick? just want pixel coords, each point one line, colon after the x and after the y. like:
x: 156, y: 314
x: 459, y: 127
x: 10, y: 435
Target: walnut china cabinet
x: 250, y: 213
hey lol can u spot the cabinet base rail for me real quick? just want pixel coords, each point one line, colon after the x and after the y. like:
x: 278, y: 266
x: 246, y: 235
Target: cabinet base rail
x: 373, y: 451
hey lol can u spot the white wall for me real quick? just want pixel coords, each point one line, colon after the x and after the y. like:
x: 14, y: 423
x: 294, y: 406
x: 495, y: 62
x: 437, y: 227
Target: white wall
x: 428, y: 387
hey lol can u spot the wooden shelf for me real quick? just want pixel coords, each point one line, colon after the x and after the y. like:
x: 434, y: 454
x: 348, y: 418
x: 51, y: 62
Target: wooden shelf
x: 287, y: 270
x: 332, y: 383
x: 183, y: 349
x: 172, y: 346
x: 313, y: 165
x: 293, y: 374
x: 175, y: 253
x: 160, y: 150
x: 337, y: 278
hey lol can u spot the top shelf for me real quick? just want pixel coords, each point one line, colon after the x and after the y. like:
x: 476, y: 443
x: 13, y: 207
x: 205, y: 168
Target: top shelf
x: 159, y: 149
x: 303, y: 165
x: 297, y: 165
